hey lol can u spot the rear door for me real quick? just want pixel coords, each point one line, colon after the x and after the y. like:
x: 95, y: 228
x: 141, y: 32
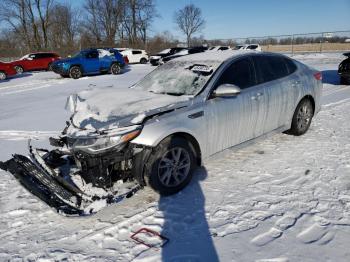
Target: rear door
x: 276, y: 89
x: 232, y: 120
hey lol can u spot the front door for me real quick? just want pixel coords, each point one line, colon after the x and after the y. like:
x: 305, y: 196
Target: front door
x: 232, y: 120
x: 91, y: 62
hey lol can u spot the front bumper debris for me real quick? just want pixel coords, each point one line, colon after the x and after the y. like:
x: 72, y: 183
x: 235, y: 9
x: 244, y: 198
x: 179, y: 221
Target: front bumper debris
x: 57, y: 191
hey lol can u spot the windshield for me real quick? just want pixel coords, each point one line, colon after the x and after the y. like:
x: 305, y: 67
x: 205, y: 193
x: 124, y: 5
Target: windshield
x: 182, y: 52
x: 79, y: 54
x: 178, y: 77
x: 24, y: 57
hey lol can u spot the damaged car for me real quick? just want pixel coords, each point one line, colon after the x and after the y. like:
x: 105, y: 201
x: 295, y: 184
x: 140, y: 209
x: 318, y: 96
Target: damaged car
x: 158, y: 131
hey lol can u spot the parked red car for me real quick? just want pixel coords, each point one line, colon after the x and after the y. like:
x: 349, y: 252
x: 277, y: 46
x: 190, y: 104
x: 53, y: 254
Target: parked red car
x: 35, y: 61
x: 6, y: 70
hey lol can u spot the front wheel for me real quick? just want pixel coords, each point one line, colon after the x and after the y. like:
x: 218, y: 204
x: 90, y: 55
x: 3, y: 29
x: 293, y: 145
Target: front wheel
x: 2, y: 75
x: 19, y: 69
x: 143, y: 61
x: 302, y: 117
x: 75, y: 72
x: 115, y: 69
x: 171, y: 166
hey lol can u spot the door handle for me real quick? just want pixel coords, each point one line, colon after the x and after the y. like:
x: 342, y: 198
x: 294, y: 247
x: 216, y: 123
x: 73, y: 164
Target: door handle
x: 257, y: 96
x: 295, y: 83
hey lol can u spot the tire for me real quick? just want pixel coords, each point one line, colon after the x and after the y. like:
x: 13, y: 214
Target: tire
x: 302, y: 117
x: 143, y: 61
x: 163, y: 173
x: 344, y: 80
x: 75, y: 72
x: 19, y: 69
x: 49, y: 67
x: 115, y: 69
x: 2, y: 75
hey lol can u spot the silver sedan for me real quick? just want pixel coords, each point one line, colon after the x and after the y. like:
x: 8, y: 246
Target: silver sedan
x: 159, y: 130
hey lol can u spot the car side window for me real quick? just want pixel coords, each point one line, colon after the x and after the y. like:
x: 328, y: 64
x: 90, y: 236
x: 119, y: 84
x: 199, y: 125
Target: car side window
x: 290, y: 66
x: 239, y: 73
x: 33, y: 56
x: 270, y: 68
x: 92, y: 54
x: 135, y: 52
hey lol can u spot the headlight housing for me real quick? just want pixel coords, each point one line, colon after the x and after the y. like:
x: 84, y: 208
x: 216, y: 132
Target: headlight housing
x: 100, y: 144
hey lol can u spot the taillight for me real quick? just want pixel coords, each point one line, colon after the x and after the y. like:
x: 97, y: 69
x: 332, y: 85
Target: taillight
x: 318, y: 76
x: 126, y: 59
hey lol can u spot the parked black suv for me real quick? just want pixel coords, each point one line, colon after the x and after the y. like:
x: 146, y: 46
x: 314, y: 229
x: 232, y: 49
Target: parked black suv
x: 186, y: 51
x: 155, y: 59
x: 344, y: 70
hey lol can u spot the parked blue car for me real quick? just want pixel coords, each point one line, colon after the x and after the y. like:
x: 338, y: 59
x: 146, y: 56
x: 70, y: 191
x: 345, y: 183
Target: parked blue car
x: 89, y: 62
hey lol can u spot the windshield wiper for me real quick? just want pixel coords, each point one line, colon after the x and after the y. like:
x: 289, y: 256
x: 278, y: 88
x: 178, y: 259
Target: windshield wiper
x: 167, y: 93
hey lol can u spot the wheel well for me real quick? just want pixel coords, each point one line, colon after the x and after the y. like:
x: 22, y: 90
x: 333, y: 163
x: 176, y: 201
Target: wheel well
x: 193, y: 142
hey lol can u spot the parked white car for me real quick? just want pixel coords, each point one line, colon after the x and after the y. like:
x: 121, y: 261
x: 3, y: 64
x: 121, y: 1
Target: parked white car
x: 136, y: 55
x: 255, y: 47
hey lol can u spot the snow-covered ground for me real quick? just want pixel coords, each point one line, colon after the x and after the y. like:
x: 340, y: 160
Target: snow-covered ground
x: 282, y: 199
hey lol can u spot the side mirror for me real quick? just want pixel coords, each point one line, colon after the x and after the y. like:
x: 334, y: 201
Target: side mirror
x: 226, y: 90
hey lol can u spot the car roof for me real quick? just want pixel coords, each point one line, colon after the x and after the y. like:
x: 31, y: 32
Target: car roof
x: 221, y: 56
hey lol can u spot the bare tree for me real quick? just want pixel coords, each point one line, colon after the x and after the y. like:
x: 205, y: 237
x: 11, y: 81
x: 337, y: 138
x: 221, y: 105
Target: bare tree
x: 138, y: 16
x: 64, y: 28
x: 103, y: 19
x: 189, y: 20
x: 29, y: 18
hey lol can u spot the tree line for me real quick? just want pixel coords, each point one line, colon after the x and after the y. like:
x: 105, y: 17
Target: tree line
x: 43, y: 25
x: 38, y: 25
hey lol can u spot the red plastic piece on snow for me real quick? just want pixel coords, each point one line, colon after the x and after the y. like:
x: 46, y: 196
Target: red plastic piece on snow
x: 150, y: 233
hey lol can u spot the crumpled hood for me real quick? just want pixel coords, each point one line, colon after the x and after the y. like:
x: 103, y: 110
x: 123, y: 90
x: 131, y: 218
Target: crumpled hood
x: 102, y: 109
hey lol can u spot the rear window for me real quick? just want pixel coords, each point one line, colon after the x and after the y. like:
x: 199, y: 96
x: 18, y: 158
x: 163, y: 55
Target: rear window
x: 270, y: 68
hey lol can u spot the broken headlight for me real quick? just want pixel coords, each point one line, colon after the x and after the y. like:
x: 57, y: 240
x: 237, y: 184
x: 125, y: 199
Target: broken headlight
x: 100, y: 144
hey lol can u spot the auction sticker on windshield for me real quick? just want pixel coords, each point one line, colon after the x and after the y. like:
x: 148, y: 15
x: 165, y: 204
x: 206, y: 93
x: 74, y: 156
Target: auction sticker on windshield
x: 201, y: 69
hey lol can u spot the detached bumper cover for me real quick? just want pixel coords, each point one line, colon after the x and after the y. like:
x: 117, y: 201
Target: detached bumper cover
x: 41, y: 184
x: 56, y: 192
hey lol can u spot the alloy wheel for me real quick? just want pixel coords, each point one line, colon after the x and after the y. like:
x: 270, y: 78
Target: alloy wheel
x: 2, y: 76
x: 174, y: 167
x: 19, y: 69
x: 75, y: 72
x: 304, y: 116
x: 115, y: 69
